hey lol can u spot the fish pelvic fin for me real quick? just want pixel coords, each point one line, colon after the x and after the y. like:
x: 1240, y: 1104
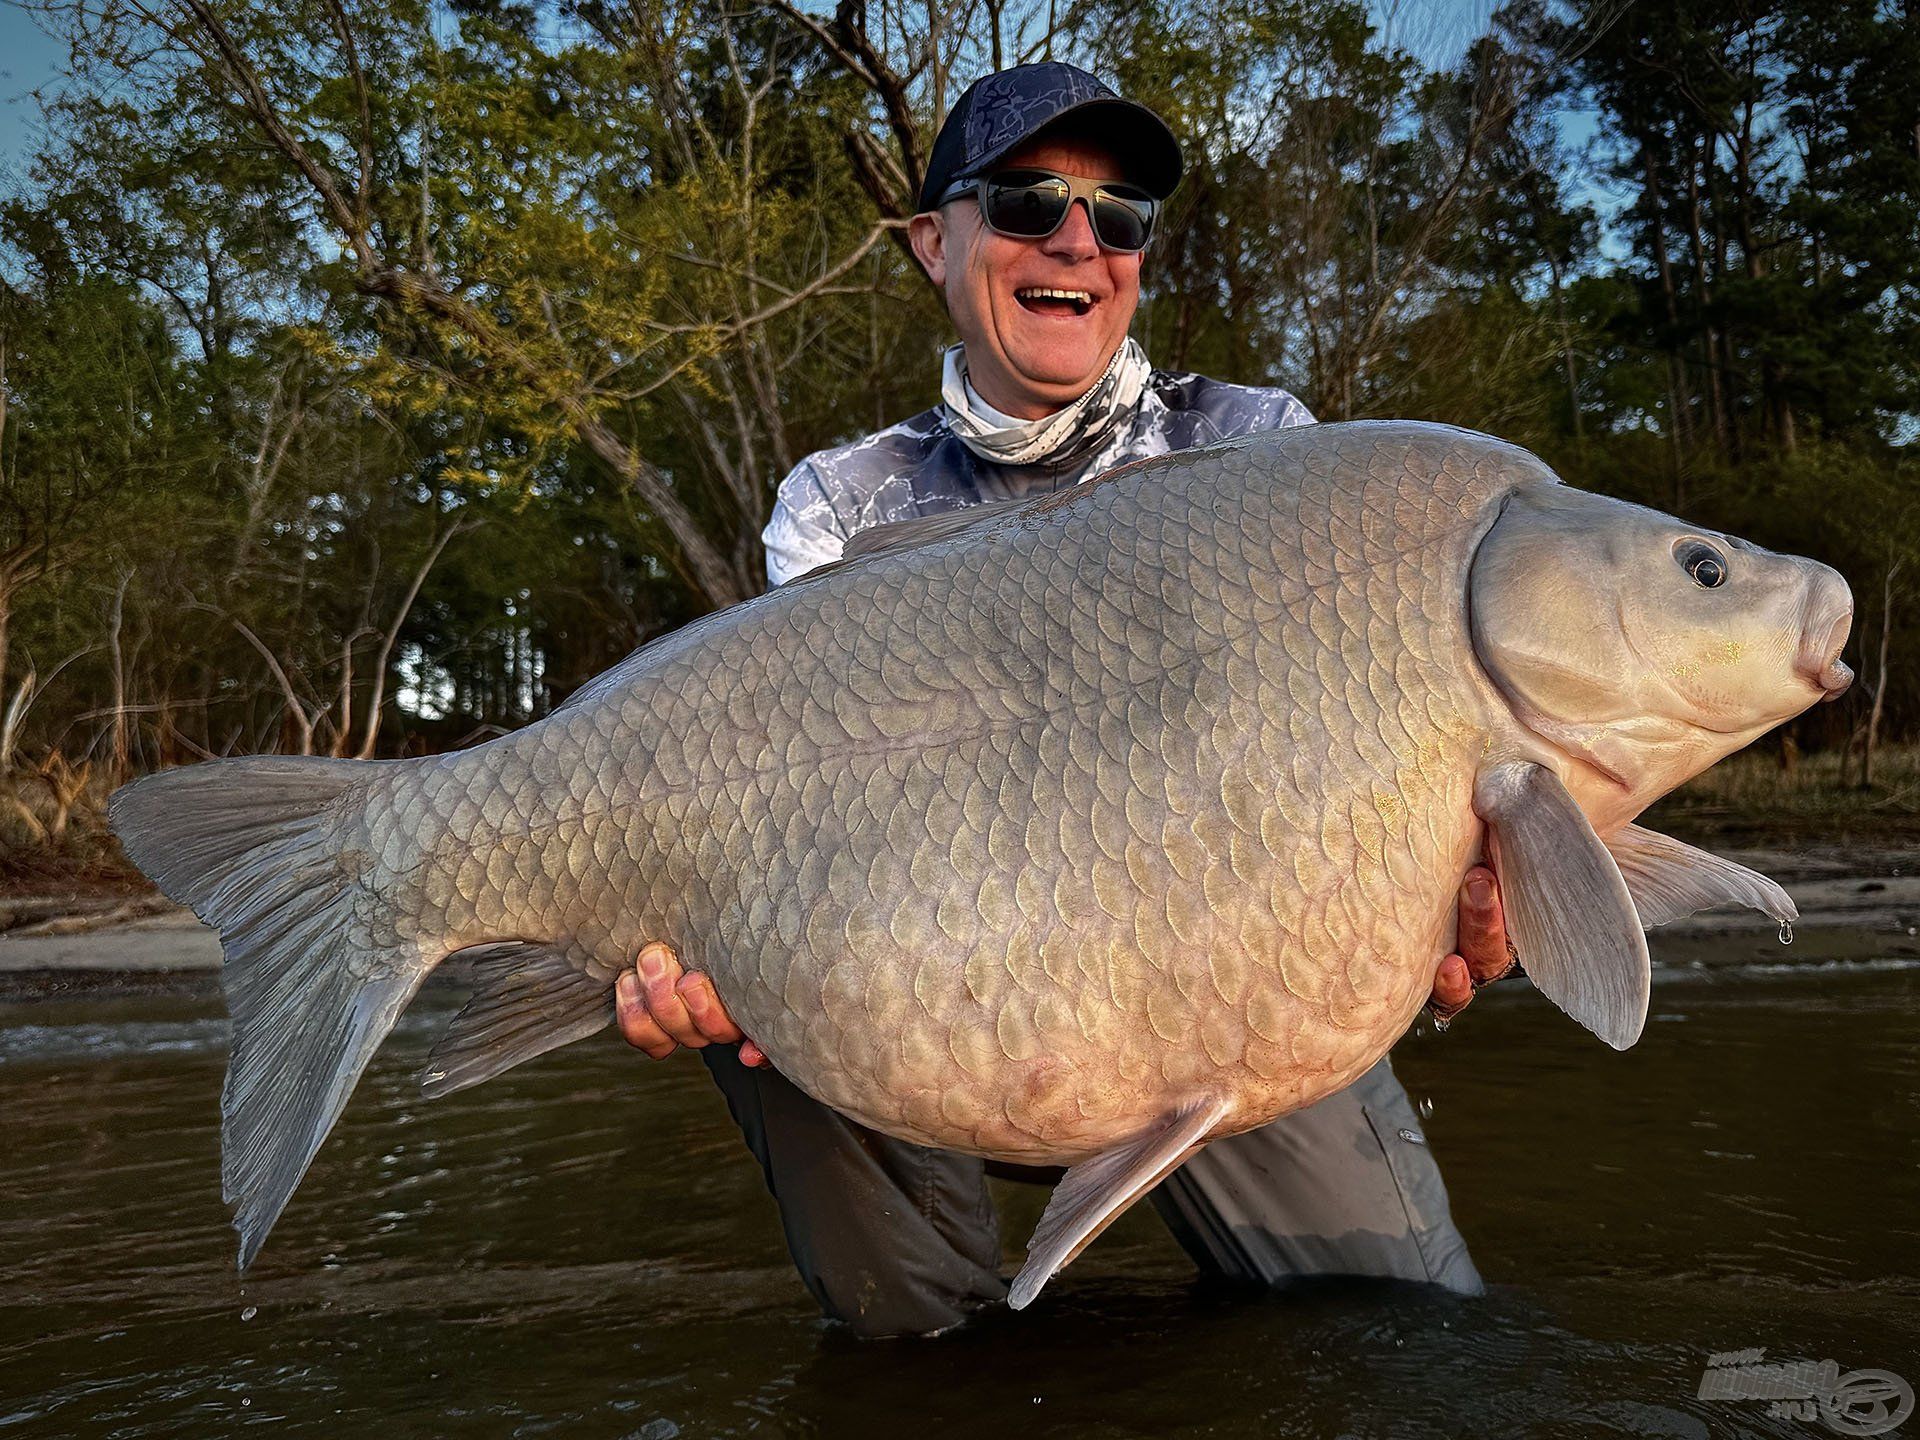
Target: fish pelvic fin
x: 1669, y: 879
x: 251, y: 846
x: 1097, y: 1192
x: 1568, y: 909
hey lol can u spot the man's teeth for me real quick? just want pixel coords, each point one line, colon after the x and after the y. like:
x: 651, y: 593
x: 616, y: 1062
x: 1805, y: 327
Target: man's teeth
x: 1035, y: 292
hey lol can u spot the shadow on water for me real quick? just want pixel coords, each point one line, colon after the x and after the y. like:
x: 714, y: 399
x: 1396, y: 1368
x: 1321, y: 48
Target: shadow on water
x: 582, y: 1248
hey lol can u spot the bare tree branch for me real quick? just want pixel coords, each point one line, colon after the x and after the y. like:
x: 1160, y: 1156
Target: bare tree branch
x: 377, y: 701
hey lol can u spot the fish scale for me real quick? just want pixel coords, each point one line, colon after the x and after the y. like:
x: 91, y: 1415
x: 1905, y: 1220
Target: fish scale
x: 1075, y: 831
x: 1124, y: 717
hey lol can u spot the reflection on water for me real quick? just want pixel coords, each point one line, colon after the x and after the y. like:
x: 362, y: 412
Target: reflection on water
x: 582, y: 1248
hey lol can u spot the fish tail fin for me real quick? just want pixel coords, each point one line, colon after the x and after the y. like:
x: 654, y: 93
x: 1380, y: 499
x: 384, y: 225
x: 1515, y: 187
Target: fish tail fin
x: 252, y: 845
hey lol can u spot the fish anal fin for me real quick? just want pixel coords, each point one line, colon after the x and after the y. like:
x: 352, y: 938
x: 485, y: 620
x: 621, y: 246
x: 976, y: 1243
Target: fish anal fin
x: 1669, y: 880
x: 1568, y: 911
x: 1096, y: 1192
x: 528, y: 998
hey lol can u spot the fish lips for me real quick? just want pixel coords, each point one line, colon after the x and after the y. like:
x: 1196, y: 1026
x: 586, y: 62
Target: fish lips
x: 1819, y: 660
x: 1828, y: 609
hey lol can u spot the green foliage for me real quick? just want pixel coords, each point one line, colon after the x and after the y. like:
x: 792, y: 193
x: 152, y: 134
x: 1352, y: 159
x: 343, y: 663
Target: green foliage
x: 534, y: 304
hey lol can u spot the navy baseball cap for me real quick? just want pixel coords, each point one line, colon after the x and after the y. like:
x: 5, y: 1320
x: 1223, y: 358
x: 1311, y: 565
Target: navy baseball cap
x: 999, y: 111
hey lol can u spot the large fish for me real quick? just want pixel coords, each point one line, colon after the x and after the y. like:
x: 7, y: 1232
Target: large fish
x: 1077, y: 831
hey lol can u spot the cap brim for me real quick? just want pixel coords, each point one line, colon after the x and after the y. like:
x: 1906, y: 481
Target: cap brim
x: 1140, y: 138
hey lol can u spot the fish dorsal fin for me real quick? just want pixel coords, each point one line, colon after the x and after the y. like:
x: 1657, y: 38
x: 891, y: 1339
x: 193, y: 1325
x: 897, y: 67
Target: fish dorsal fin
x: 528, y: 999
x: 1096, y: 1192
x: 902, y: 535
x: 1567, y: 908
x: 1668, y: 879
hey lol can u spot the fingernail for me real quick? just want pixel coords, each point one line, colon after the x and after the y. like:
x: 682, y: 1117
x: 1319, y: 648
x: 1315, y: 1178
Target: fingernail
x: 1480, y: 890
x: 651, y: 965
x: 627, y: 987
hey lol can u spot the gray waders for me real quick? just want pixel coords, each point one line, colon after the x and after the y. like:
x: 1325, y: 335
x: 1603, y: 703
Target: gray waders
x: 894, y: 1239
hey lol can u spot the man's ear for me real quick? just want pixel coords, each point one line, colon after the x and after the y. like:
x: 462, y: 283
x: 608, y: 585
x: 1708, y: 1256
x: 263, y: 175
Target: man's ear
x: 927, y: 233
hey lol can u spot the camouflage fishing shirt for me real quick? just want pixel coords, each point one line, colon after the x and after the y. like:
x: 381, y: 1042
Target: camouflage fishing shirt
x: 919, y: 466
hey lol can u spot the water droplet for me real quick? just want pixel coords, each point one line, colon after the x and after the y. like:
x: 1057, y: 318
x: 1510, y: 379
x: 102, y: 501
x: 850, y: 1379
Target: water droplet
x: 1440, y: 1026
x: 249, y: 1312
x: 1786, y: 932
x: 1412, y: 1137
x: 1426, y: 1107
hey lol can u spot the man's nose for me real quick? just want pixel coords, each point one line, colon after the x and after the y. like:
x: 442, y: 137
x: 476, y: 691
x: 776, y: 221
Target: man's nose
x: 1074, y: 240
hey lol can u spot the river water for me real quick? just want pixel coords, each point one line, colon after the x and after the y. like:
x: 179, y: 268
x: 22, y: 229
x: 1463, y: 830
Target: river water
x: 583, y: 1248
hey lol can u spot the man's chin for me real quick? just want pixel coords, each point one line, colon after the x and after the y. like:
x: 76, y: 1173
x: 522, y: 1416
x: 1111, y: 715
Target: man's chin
x: 1065, y: 371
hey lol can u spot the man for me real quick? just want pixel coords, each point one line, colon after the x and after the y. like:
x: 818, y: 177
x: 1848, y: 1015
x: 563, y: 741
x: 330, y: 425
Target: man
x: 1039, y: 197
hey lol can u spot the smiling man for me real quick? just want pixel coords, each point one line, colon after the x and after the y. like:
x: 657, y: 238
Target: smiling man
x: 1040, y: 196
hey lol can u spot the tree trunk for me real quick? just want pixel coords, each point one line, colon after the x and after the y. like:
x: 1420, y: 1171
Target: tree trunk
x: 1678, y: 400
x: 370, y: 739
x: 120, y: 748
x: 6, y: 636
x: 1703, y: 298
x: 1566, y: 353
x: 1880, y: 681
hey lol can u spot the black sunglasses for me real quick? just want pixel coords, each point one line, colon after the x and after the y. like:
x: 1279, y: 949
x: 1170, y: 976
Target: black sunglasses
x: 1029, y: 204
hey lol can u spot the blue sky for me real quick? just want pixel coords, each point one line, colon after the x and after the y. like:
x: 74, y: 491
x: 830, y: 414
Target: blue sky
x: 28, y: 58
x: 1435, y: 30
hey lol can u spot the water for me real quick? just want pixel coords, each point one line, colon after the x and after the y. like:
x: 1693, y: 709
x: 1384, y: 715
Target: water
x: 582, y: 1248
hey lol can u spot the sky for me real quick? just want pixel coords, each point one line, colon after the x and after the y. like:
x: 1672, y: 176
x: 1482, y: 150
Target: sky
x: 28, y: 59
x: 1435, y: 30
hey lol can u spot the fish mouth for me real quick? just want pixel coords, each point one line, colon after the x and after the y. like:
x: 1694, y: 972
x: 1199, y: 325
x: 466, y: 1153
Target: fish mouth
x: 1819, y: 662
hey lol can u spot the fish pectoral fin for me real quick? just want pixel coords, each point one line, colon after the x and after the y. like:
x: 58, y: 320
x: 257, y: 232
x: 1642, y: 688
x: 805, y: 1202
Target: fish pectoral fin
x: 1095, y: 1192
x: 1569, y: 913
x: 1669, y: 880
x: 528, y: 998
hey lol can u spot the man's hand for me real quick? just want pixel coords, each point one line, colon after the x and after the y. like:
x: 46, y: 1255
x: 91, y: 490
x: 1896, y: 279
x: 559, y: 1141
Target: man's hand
x: 662, y: 1007
x: 1484, y: 954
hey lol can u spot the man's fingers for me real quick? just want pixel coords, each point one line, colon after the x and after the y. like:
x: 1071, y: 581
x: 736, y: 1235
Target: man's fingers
x: 660, y: 972
x: 1452, y: 988
x: 637, y: 1027
x: 709, y: 1015
x: 661, y: 1007
x: 1483, y: 928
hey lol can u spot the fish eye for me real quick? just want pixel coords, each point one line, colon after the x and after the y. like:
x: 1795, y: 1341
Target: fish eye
x: 1705, y: 566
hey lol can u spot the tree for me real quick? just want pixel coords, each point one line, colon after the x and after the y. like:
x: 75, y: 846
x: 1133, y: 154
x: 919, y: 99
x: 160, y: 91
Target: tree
x: 530, y: 222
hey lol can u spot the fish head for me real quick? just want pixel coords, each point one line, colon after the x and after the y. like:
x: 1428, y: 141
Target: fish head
x: 1644, y: 647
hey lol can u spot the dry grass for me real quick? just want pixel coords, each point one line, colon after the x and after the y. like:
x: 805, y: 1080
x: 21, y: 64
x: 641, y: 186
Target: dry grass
x: 54, y: 838
x: 1752, y: 795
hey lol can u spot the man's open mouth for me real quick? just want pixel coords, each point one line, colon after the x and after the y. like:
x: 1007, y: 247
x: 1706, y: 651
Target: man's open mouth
x: 1045, y: 301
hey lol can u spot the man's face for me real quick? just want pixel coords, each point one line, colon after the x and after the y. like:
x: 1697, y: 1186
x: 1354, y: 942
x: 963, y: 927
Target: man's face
x: 1028, y: 354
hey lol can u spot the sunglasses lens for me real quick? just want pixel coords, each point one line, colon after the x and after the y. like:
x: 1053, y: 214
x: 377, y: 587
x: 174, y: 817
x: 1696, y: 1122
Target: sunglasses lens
x: 1032, y: 203
x: 1026, y: 203
x: 1122, y: 219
